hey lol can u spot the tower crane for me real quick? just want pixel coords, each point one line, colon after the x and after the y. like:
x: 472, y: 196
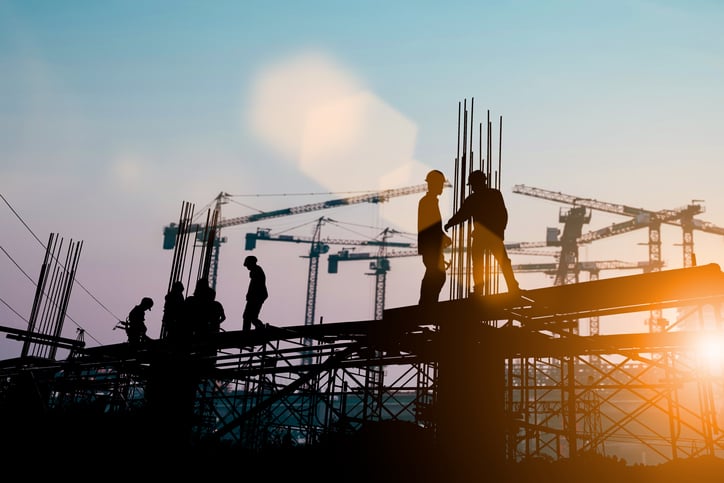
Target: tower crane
x: 379, y: 265
x: 639, y: 218
x: 171, y: 231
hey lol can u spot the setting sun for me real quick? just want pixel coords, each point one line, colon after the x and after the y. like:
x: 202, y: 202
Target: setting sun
x: 710, y: 350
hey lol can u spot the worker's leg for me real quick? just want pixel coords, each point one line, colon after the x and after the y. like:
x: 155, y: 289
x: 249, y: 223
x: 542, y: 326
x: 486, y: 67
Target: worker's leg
x: 438, y: 280
x: 251, y: 314
x: 253, y: 309
x: 501, y: 255
x: 433, y: 280
x: 478, y: 260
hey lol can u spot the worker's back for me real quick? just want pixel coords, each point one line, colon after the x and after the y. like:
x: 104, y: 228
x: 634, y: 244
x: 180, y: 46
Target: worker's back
x: 487, y: 208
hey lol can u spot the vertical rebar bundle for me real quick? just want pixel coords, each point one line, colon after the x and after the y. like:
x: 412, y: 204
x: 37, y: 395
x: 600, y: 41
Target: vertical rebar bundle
x: 188, y: 234
x: 465, y: 163
x: 52, y: 295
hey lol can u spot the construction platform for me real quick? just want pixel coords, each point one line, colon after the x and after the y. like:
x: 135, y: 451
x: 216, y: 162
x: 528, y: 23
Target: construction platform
x: 491, y: 379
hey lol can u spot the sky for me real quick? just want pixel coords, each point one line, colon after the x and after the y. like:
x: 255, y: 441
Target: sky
x: 115, y: 113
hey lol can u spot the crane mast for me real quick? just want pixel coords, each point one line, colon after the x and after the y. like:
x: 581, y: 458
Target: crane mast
x: 379, y: 264
x: 316, y: 248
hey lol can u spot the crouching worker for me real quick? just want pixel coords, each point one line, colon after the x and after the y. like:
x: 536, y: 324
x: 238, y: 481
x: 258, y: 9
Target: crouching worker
x: 136, y: 322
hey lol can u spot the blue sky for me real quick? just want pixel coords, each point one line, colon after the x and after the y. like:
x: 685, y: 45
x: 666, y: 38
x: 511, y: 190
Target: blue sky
x: 114, y: 113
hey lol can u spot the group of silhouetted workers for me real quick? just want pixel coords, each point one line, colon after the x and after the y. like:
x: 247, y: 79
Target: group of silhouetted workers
x: 200, y: 314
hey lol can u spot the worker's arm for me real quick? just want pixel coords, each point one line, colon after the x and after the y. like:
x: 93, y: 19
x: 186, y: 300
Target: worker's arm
x: 462, y: 215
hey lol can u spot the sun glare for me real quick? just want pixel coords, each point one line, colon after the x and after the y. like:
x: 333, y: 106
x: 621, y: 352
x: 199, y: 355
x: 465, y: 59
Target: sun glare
x: 710, y: 351
x: 286, y: 92
x: 318, y: 115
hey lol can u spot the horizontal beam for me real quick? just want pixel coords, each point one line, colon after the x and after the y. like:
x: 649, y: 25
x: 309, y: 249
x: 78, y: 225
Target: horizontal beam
x: 617, y: 295
x: 63, y: 342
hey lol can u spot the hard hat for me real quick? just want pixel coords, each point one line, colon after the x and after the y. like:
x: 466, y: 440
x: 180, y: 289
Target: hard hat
x: 435, y: 175
x: 250, y: 260
x: 476, y: 176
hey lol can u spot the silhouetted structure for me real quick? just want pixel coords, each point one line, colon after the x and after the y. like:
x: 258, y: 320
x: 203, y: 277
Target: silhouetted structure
x: 491, y: 388
x: 490, y: 404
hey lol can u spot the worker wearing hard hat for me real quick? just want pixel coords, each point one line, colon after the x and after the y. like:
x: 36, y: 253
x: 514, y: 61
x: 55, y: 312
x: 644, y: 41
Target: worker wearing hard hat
x: 487, y: 209
x: 431, y: 239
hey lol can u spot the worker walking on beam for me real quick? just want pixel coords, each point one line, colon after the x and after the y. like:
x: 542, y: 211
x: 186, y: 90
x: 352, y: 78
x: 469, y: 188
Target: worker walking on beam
x: 487, y: 209
x: 256, y: 294
x: 431, y: 240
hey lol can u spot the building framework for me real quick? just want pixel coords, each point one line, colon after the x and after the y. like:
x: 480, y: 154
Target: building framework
x: 497, y: 378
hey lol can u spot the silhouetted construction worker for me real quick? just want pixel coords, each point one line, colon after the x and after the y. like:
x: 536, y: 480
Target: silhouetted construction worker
x: 216, y: 313
x: 256, y: 294
x: 212, y: 315
x: 135, y: 324
x: 172, y: 310
x: 431, y: 239
x: 196, y: 311
x: 487, y: 209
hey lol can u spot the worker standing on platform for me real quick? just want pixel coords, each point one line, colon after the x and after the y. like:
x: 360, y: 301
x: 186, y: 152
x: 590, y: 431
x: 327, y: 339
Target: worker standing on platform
x: 256, y: 294
x: 212, y: 316
x: 487, y: 209
x: 216, y: 313
x: 431, y: 239
x: 172, y: 311
x: 197, y: 312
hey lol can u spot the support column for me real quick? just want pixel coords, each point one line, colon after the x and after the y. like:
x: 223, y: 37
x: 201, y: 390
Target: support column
x: 471, y: 401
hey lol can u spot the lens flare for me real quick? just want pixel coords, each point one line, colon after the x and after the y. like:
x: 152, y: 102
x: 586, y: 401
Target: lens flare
x: 710, y: 351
